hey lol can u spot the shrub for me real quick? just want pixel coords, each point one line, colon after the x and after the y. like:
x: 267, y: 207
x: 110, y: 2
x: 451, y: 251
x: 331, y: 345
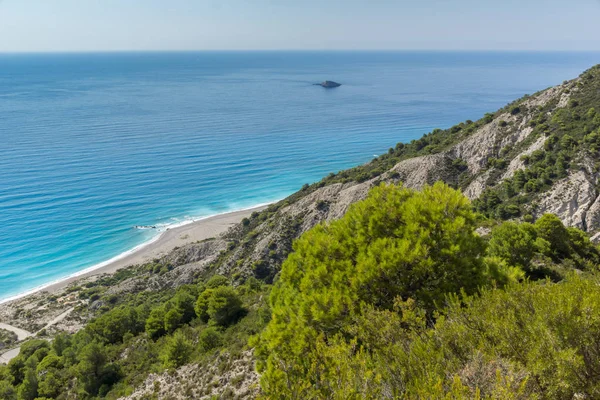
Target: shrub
x: 551, y: 229
x: 224, y: 306
x: 210, y: 338
x: 531, y: 186
x: 201, y: 307
x: 177, y: 351
x: 514, y: 243
x: 459, y: 164
x: 550, y: 142
x: 396, y: 244
x: 173, y: 320
x: 322, y: 205
x: 155, y: 324
x: 217, y: 280
x: 567, y: 142
x: 591, y: 113
x: 261, y: 269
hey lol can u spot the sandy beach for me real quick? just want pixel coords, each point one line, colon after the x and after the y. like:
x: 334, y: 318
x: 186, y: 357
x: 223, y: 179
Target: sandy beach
x: 174, y: 237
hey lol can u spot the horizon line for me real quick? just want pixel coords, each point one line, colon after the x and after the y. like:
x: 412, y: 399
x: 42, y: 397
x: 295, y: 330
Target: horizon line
x: 108, y: 51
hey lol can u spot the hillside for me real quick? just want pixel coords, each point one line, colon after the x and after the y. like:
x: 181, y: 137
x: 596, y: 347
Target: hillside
x: 550, y: 137
x: 179, y: 327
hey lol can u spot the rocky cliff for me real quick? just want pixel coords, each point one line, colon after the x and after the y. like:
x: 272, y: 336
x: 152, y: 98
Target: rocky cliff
x: 536, y: 155
x: 482, y: 158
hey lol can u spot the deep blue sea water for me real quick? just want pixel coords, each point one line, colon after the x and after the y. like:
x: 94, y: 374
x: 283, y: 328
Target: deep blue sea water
x: 93, y: 144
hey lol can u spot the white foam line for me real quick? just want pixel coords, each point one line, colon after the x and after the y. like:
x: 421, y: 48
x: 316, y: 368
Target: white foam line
x: 127, y: 253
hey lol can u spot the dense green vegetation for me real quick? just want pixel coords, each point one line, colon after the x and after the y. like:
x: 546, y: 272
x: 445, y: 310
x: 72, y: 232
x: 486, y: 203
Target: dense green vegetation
x: 526, y: 341
x: 571, y: 141
x: 143, y: 334
x: 401, y: 298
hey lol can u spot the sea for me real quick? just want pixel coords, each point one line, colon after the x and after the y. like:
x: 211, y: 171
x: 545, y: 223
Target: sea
x: 94, y: 144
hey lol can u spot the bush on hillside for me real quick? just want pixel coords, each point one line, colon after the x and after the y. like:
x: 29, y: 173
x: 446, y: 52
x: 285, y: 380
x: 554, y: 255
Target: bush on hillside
x: 397, y: 244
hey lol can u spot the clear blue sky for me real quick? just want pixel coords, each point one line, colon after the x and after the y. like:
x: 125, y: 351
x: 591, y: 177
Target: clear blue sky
x: 101, y: 25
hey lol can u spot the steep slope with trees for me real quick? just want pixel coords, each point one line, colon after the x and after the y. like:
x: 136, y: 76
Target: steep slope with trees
x: 398, y: 294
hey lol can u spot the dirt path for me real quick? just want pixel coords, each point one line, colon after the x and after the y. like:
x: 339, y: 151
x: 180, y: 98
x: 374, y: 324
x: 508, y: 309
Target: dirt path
x: 23, y: 334
x: 57, y: 319
x: 9, y: 355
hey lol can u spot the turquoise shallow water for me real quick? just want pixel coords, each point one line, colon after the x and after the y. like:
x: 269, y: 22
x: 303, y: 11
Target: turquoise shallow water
x: 93, y: 144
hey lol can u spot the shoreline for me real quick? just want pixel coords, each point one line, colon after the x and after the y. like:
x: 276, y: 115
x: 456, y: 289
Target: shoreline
x: 160, y: 245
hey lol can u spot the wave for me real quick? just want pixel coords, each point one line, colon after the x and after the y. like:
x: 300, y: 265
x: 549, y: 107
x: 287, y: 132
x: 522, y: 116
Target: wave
x: 161, y: 229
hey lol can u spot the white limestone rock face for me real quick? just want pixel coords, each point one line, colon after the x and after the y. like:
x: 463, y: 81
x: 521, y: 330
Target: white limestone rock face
x: 490, y: 139
x: 478, y: 148
x: 564, y: 100
x: 570, y: 199
x: 593, y: 218
x: 517, y: 164
x: 420, y: 171
x: 337, y: 197
x: 477, y: 187
x: 544, y: 97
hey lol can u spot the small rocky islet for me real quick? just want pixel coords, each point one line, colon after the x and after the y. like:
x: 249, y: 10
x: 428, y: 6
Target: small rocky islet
x: 328, y: 84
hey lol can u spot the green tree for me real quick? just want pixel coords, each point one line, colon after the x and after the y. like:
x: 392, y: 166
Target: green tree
x: 28, y: 390
x: 155, y: 324
x: 60, y: 343
x: 514, y: 243
x: 210, y: 338
x: 561, y: 166
x: 217, y: 280
x: 567, y: 142
x: 26, y: 358
x: 201, y: 306
x: 531, y: 186
x: 184, y: 302
x: 398, y: 243
x: 519, y: 180
x: 177, y: 350
x: 586, y: 254
x: 7, y: 391
x: 16, y: 368
x: 90, y: 370
x: 549, y: 227
x: 50, y: 380
x: 224, y: 306
x: 173, y: 320
x: 113, y: 325
x: 508, y: 188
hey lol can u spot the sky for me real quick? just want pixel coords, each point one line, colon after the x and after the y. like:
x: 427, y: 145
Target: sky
x: 148, y: 25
